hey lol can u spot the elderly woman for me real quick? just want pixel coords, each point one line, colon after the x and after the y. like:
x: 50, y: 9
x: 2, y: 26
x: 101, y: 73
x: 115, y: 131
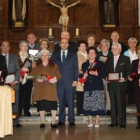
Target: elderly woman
x: 45, y: 93
x: 136, y: 82
x: 93, y: 72
x: 25, y: 89
x: 82, y: 57
x: 131, y: 53
x: 104, y: 55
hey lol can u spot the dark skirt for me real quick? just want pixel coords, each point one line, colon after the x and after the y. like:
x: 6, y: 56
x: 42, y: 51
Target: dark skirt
x: 46, y: 105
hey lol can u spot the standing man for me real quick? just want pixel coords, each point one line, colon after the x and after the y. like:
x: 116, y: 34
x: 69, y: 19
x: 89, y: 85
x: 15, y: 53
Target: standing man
x: 72, y: 45
x: 3, y: 69
x: 118, y: 64
x: 13, y: 67
x: 115, y: 40
x: 66, y: 86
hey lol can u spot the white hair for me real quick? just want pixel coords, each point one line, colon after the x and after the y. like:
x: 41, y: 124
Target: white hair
x: 44, y: 51
x: 117, y: 44
x: 23, y: 42
x: 105, y: 41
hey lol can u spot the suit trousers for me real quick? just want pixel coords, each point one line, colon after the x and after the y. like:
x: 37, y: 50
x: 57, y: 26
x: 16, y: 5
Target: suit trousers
x: 66, y: 97
x: 25, y: 96
x: 118, y: 106
x: 130, y: 93
x: 80, y: 98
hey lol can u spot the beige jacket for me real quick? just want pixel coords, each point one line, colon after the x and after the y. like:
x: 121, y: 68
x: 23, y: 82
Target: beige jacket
x: 81, y: 60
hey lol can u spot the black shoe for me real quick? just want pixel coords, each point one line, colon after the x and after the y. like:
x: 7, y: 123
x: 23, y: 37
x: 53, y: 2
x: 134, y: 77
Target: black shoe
x: 61, y: 124
x: 122, y: 126
x: 112, y: 125
x: 108, y: 112
x: 54, y: 126
x: 138, y: 127
x: 27, y: 113
x: 17, y: 125
x: 72, y: 124
x: 42, y: 125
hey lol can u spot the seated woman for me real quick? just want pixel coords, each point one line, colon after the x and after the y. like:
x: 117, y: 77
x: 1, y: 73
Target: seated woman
x: 136, y: 82
x: 45, y: 94
x: 94, y: 102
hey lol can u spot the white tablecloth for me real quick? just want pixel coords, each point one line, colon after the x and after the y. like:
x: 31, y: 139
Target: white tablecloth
x: 6, y: 121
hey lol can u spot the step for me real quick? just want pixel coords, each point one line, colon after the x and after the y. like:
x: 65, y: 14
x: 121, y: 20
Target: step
x: 35, y: 119
x: 129, y: 110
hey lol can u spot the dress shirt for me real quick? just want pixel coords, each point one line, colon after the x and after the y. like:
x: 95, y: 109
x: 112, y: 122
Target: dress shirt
x: 66, y: 52
x: 133, y: 56
x: 116, y: 60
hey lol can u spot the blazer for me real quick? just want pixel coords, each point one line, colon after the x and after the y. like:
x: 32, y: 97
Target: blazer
x: 81, y: 60
x: 123, y: 65
x: 68, y: 69
x: 36, y: 47
x: 72, y: 47
x: 94, y: 82
x: 3, y: 67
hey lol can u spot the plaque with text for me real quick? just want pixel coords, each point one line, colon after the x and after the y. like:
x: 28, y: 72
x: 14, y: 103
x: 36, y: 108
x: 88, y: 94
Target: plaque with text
x: 103, y: 59
x: 113, y: 77
x: 10, y: 78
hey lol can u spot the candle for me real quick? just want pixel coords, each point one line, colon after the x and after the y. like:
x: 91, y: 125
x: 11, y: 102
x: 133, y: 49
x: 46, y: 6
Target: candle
x: 50, y: 31
x: 77, y: 31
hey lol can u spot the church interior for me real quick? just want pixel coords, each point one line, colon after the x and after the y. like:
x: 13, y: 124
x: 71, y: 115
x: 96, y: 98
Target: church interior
x: 47, y: 19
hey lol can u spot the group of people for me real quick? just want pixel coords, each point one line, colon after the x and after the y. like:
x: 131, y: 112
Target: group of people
x: 99, y: 76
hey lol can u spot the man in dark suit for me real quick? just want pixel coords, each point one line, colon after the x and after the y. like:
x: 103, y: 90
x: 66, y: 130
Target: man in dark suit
x: 115, y: 39
x: 72, y: 45
x: 13, y: 67
x: 31, y: 38
x: 117, y: 89
x: 3, y: 69
x: 104, y: 55
x: 66, y: 86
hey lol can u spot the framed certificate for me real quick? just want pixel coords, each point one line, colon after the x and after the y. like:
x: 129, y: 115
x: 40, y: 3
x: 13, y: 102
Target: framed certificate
x: 113, y: 77
x: 10, y: 78
x: 103, y: 59
x: 33, y: 52
x: 27, y: 63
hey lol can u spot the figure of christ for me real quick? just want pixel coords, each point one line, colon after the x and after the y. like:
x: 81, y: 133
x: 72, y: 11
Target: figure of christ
x: 64, y: 18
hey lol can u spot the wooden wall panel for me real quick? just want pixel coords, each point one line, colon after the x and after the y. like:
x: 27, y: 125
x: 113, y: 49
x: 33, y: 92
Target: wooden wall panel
x: 85, y: 15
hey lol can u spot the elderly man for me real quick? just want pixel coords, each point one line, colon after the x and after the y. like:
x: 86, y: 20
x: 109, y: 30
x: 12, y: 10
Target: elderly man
x: 115, y: 39
x: 13, y: 67
x: 66, y: 86
x: 72, y: 45
x: 117, y: 86
x: 104, y: 55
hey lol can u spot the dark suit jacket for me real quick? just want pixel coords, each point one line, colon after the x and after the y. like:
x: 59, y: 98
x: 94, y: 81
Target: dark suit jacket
x: 135, y: 70
x: 124, y: 47
x: 68, y: 69
x: 72, y: 47
x: 3, y: 67
x: 123, y: 65
x: 36, y: 47
x: 94, y: 82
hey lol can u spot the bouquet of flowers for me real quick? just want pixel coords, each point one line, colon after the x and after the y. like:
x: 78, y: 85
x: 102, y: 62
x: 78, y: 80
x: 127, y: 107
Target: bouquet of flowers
x: 135, y: 75
x: 49, y: 79
x: 82, y: 80
x: 24, y: 74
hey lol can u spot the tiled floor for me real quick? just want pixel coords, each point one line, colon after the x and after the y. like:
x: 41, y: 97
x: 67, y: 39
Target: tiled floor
x: 80, y: 132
